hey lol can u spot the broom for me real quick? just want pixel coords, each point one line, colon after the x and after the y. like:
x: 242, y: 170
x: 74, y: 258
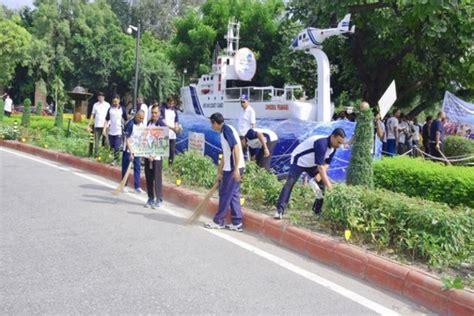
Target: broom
x: 203, y: 205
x: 124, y: 180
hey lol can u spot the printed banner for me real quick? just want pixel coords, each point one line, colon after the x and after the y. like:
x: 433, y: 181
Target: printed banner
x: 196, y: 141
x: 460, y: 116
x: 152, y: 141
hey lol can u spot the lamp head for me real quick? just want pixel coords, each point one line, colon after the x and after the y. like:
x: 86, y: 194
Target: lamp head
x: 129, y: 30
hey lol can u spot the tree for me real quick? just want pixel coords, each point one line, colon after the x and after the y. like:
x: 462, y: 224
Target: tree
x: 25, y: 117
x: 157, y: 73
x: 360, y: 171
x: 402, y: 40
x: 14, y: 42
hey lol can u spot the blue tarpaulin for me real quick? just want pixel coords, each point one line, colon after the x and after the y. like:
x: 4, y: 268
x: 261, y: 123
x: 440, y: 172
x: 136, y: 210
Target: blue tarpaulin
x: 290, y: 133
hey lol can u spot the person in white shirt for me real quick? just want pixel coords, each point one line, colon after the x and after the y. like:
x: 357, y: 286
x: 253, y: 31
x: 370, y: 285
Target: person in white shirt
x: 99, y: 112
x: 416, y: 128
x: 8, y: 105
x: 171, y: 119
x: 114, y: 122
x: 392, y: 133
x: 247, y: 119
x: 403, y: 134
x: 229, y: 173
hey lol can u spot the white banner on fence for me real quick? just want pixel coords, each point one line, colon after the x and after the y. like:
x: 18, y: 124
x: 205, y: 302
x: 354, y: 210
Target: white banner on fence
x: 196, y: 142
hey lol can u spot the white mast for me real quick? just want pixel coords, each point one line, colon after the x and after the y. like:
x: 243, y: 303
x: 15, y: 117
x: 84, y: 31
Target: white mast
x: 233, y: 32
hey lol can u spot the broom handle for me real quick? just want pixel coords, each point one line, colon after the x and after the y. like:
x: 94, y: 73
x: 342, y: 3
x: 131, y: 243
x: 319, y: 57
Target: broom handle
x: 201, y: 207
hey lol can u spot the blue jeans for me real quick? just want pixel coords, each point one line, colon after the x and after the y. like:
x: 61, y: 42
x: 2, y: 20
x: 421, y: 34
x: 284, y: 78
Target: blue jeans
x: 293, y: 175
x: 136, y: 168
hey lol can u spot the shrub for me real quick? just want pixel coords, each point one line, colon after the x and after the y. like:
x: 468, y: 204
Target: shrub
x: 259, y: 186
x: 428, y: 231
x: 8, y: 132
x: 360, y: 171
x: 25, y: 118
x: 195, y: 169
x: 432, y: 181
x: 39, y: 108
x: 2, y: 109
x: 459, y: 146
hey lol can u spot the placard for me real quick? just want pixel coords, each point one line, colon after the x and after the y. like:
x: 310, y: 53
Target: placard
x: 152, y: 141
x: 196, y: 142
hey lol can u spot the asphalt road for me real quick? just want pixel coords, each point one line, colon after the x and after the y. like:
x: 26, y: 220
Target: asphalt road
x: 67, y: 245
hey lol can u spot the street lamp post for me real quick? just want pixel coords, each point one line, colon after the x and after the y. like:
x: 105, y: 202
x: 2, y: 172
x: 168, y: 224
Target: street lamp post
x: 130, y: 29
x: 185, y: 71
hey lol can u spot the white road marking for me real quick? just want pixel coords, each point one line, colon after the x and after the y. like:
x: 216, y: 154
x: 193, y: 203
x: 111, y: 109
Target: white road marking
x: 277, y: 260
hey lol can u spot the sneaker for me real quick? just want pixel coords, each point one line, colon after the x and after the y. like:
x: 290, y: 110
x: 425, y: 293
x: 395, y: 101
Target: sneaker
x: 236, y: 228
x: 158, y: 203
x: 139, y: 191
x: 149, y: 203
x: 213, y: 225
x: 278, y: 215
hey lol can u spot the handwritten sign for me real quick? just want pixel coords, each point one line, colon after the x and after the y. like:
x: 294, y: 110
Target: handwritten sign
x: 150, y: 141
x: 196, y: 141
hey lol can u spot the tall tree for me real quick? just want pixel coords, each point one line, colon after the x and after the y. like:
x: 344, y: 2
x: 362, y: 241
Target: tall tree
x: 14, y: 42
x: 426, y: 46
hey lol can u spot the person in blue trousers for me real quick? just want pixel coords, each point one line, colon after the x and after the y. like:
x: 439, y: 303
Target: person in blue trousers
x: 312, y: 156
x: 229, y: 173
x: 128, y: 154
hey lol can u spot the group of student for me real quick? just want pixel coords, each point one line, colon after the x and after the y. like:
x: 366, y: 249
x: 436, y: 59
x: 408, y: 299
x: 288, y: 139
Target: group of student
x: 400, y: 134
x: 312, y: 156
x: 112, y: 121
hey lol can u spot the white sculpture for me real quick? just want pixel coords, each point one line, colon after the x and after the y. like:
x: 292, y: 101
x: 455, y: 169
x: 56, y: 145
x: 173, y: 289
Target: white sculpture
x: 310, y: 40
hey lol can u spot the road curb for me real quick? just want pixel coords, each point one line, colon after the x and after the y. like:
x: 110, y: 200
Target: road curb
x: 417, y: 286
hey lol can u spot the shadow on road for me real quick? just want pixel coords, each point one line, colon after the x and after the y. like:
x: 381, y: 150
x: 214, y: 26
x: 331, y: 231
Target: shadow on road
x: 107, y: 200
x: 161, y: 217
x: 95, y: 187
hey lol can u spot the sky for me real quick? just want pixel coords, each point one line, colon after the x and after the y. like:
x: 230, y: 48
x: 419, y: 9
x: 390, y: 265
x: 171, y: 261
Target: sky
x: 16, y: 4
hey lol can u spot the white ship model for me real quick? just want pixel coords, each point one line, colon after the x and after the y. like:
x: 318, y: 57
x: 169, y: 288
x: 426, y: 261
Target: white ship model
x: 232, y: 70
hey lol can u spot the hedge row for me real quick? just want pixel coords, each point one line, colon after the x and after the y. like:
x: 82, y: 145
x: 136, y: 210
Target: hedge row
x: 432, y: 181
x: 424, y: 230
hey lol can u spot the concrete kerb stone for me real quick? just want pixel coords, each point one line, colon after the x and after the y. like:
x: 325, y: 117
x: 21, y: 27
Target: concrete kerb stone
x: 415, y: 285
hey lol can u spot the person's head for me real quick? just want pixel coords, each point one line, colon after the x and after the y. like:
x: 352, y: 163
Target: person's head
x: 441, y: 115
x: 139, y: 100
x: 377, y: 116
x: 337, y: 137
x: 155, y: 112
x: 415, y: 120
x: 243, y: 141
x: 429, y: 119
x: 217, y: 119
x: 100, y: 97
x: 139, y: 117
x: 244, y: 101
x: 170, y: 102
x: 396, y: 113
x: 402, y: 117
x: 116, y: 100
